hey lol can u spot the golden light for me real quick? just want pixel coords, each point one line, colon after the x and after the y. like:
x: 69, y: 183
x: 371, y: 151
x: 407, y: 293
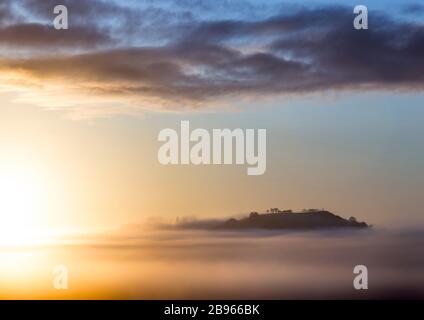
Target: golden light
x: 23, y: 200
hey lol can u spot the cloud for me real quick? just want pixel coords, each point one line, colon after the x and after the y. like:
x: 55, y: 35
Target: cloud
x: 35, y: 35
x: 195, y: 63
x: 5, y: 11
x: 414, y: 8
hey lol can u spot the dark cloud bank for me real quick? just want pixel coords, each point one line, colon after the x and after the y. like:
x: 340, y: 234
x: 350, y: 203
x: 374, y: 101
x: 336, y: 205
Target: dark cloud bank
x: 183, y: 60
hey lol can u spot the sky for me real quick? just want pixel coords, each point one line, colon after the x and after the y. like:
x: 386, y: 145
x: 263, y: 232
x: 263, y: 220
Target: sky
x: 81, y: 108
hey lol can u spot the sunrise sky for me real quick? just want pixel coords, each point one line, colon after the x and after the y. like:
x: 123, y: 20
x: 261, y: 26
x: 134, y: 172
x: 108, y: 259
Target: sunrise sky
x: 81, y: 109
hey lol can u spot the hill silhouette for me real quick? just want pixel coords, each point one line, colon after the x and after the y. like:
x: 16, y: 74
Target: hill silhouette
x: 275, y: 219
x: 309, y: 219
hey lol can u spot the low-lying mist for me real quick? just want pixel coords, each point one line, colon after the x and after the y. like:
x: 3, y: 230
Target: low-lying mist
x: 137, y: 263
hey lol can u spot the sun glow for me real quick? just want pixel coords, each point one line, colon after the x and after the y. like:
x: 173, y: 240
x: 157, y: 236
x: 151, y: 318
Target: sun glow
x: 23, y: 200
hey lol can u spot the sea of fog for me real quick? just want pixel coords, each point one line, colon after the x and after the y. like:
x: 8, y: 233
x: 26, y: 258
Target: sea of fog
x: 178, y: 264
